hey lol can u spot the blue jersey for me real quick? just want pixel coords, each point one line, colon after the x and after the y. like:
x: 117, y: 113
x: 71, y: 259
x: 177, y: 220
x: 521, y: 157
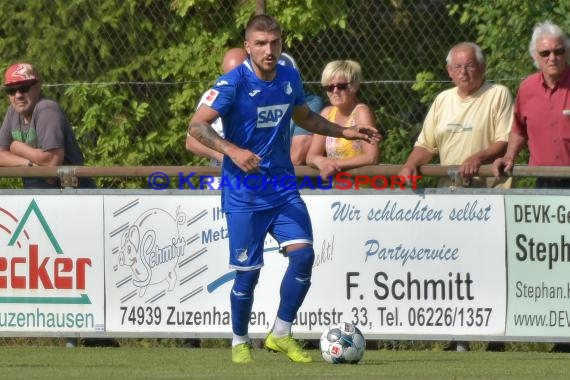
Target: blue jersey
x: 256, y: 115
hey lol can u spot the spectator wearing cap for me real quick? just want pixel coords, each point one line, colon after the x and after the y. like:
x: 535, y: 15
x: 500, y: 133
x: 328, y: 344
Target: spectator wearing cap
x: 35, y: 130
x: 301, y: 138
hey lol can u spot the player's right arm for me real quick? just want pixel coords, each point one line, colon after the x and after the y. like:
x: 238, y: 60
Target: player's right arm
x: 200, y: 128
x: 199, y: 149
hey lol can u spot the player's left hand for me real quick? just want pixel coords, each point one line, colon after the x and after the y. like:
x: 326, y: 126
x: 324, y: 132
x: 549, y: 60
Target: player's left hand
x: 367, y: 133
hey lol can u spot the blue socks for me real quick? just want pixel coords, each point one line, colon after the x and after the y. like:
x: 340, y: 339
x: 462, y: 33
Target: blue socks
x: 294, y: 287
x: 241, y: 299
x: 296, y: 282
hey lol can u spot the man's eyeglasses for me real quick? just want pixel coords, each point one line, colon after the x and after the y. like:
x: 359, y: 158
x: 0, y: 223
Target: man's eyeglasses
x: 557, y: 52
x: 22, y: 89
x: 468, y: 67
x: 339, y: 86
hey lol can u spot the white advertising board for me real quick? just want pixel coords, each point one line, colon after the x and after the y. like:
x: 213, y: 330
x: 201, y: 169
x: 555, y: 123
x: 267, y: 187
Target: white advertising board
x: 404, y: 264
x: 538, y: 256
x: 167, y: 265
x: 51, y: 264
x: 392, y: 264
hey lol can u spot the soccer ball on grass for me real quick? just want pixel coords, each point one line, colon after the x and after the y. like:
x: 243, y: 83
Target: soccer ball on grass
x: 342, y: 343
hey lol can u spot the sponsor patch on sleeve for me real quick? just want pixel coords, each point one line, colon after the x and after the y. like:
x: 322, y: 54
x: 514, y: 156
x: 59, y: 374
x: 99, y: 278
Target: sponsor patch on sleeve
x: 210, y: 97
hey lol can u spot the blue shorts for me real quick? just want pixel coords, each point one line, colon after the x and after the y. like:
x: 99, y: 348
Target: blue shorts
x: 288, y: 224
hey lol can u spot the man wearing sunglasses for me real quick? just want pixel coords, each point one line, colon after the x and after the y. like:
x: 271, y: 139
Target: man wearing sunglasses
x: 542, y: 113
x: 35, y: 130
x: 542, y: 108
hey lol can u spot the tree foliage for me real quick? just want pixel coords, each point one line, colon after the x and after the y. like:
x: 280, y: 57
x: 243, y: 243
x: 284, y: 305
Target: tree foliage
x: 121, y: 115
x: 129, y: 72
x: 503, y: 30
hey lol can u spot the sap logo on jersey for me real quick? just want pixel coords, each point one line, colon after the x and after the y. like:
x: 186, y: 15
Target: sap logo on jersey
x: 270, y: 116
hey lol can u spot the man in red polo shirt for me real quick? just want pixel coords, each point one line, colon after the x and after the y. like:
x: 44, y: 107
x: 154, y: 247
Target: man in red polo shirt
x: 542, y: 108
x: 542, y: 113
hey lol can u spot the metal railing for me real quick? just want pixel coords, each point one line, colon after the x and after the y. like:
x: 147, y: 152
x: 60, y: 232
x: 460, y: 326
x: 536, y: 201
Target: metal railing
x: 69, y: 175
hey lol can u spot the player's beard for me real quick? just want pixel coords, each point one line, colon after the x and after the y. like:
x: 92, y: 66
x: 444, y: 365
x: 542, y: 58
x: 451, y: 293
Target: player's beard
x: 266, y: 68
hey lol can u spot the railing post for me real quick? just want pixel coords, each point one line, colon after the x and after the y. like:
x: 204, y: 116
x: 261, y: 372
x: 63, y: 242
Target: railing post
x: 68, y: 176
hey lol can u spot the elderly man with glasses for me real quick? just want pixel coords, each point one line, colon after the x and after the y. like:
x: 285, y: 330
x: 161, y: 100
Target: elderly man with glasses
x: 35, y: 130
x: 542, y: 108
x: 467, y: 125
x: 542, y: 113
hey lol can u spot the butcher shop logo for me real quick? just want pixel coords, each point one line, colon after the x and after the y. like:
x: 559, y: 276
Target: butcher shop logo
x: 152, y: 247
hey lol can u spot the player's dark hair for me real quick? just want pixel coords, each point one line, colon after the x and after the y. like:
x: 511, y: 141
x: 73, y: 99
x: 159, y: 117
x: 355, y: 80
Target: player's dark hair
x: 262, y: 23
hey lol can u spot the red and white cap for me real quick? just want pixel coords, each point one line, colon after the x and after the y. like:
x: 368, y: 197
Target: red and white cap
x: 20, y: 73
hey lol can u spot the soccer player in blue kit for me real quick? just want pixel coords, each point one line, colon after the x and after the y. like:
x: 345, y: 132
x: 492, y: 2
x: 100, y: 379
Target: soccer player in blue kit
x: 256, y: 102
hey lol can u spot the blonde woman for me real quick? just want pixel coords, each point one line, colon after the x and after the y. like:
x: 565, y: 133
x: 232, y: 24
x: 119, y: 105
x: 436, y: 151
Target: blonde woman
x: 341, y: 81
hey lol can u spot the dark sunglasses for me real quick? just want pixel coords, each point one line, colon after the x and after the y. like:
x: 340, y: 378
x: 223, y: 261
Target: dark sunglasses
x: 22, y: 89
x: 340, y: 86
x: 557, y: 52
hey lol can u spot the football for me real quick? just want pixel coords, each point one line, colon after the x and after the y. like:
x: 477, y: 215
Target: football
x: 342, y: 343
